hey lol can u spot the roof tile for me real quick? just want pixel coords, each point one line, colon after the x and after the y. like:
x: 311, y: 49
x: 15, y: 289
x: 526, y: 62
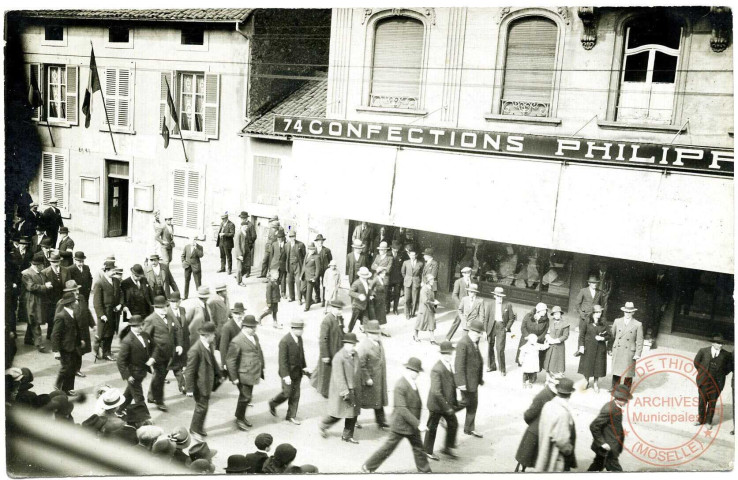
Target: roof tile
x: 184, y: 14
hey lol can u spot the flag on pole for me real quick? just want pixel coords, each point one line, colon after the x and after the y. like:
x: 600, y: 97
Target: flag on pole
x: 34, y: 94
x: 93, y: 85
x: 170, y: 118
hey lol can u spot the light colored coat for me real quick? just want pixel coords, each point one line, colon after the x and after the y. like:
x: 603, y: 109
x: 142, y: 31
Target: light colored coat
x: 556, y: 437
x: 344, y: 377
x: 626, y: 342
x: 529, y: 357
x: 373, y: 365
x: 331, y: 283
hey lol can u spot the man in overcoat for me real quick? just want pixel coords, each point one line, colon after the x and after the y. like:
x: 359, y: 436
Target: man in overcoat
x: 607, y: 432
x: 394, y: 287
x: 292, y: 368
x: 329, y: 343
x: 498, y: 320
x: 242, y: 246
x: 411, y: 271
x: 177, y: 315
x: 80, y: 273
x: 442, y: 403
x: 245, y: 361
x: 310, y: 275
x: 355, y: 260
x: 66, y: 339
x: 326, y: 256
x: 586, y: 299
x: 528, y: 448
x: 373, y: 369
x: 230, y: 330
x: 294, y: 260
x: 224, y: 242
x: 343, y: 390
x: 468, y: 374
x: 713, y: 364
x: 166, y: 338
x: 136, y: 295
x: 106, y: 299
x: 52, y: 220
x: 277, y: 260
x: 65, y: 247
x: 625, y: 345
x: 134, y: 362
x: 36, y: 289
x: 202, y: 377
x: 557, y: 432
x: 53, y: 275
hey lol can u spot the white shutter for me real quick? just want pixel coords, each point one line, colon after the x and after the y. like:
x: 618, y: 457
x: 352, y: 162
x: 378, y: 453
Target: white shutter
x: 192, y: 216
x: 398, y: 52
x: 35, y: 75
x: 212, y: 104
x: 111, y: 95
x: 187, y: 193
x: 123, y: 114
x: 265, y: 186
x: 54, y: 179
x: 118, y: 102
x: 72, y: 94
x: 165, y: 76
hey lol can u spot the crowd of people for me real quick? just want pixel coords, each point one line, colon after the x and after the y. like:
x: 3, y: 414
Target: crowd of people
x: 210, y: 342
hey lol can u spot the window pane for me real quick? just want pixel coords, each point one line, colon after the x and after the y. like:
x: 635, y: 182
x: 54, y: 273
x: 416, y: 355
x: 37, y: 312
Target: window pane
x: 198, y: 122
x: 187, y: 103
x: 200, y: 83
x: 185, y: 121
x: 54, y: 33
x: 198, y: 103
x: 636, y: 67
x: 53, y: 93
x: 193, y: 36
x: 654, y: 31
x: 664, y: 68
x: 187, y: 83
x: 118, y: 35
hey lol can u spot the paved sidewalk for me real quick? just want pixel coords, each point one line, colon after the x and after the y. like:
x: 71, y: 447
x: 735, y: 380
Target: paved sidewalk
x: 499, y: 417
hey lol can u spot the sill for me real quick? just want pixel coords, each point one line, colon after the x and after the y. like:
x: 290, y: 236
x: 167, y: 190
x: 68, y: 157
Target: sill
x: 190, y: 136
x: 393, y: 111
x: 607, y: 125
x: 522, y: 119
x: 54, y: 124
x: 124, y: 131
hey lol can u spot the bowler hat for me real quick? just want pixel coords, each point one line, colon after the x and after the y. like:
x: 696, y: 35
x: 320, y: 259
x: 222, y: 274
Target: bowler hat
x: 372, y: 326
x: 499, y: 292
x: 446, y: 347
x: 63, y: 229
x: 203, y: 292
x: 181, y: 437
x: 718, y: 338
x: 38, y: 259
x: 364, y: 272
x: 337, y: 303
x: 202, y: 466
x: 68, y: 299
x: 565, y: 386
x: 135, y: 320
x: 137, y: 269
x: 414, y: 364
x: 263, y: 441
x: 593, y: 279
x: 54, y: 258
x: 629, y: 307
x: 319, y: 237
x: 201, y: 451
x: 466, y: 270
x: 79, y: 255
x: 473, y: 288
x: 428, y: 251
x: 556, y: 309
x: 622, y: 392
x: 249, y: 321
x: 175, y: 297
x: 297, y: 324
x: 237, y: 464
x: 285, y: 453
x: 109, y: 264
x: 349, y: 338
x: 396, y: 244
x: 71, y: 286
x: 292, y: 234
x: 383, y: 246
x: 46, y: 242
x: 160, y: 301
x: 476, y: 325
x: 311, y: 246
x: 238, y: 308
x: 356, y: 243
x: 206, y: 328
x: 244, y: 215
x: 597, y: 308
x: 280, y: 234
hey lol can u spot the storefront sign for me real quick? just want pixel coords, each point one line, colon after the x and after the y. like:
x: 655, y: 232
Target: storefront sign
x: 610, y: 152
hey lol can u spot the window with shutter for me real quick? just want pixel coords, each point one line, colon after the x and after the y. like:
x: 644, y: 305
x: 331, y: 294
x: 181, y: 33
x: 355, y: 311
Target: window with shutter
x: 55, y: 179
x: 397, y: 63
x: 187, y: 189
x: 35, y: 90
x: 265, y: 185
x: 60, y: 93
x: 118, y: 101
x: 530, y: 64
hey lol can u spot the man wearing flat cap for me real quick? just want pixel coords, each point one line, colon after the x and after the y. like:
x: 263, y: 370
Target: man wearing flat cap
x: 66, y: 339
x: 166, y: 339
x: 245, y: 361
x: 134, y: 362
x: 713, y: 364
x: 136, y: 296
x: 65, y: 247
x: 292, y: 368
x: 160, y: 278
x: 224, y: 241
x: 106, y: 301
x: 36, y: 288
x: 202, y: 377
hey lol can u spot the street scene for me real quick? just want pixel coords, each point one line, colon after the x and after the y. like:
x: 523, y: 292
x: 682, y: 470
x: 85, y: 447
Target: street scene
x: 263, y: 240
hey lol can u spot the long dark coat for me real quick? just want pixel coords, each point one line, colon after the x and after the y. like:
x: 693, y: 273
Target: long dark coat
x: 530, y: 325
x: 593, y: 362
x: 373, y: 365
x: 379, y: 290
x: 84, y: 321
x: 344, y: 377
x: 555, y: 360
x: 528, y: 448
x: 329, y: 343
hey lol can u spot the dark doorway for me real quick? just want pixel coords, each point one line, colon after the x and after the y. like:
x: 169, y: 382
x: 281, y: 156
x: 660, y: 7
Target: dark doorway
x: 117, y: 199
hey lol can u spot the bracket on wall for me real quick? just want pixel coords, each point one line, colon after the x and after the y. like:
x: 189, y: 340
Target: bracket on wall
x: 429, y: 12
x: 589, y: 23
x: 720, y: 22
x: 564, y: 14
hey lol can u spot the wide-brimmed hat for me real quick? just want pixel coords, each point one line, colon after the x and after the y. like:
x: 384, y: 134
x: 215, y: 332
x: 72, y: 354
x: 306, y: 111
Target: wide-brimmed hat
x: 110, y: 399
x: 285, y: 453
x: 593, y: 279
x: 79, y: 255
x: 237, y: 464
x: 383, y: 246
x: 203, y: 292
x: 135, y: 320
x: 206, y: 328
x: 556, y: 309
x: 473, y: 288
x: 38, y: 259
x: 280, y: 234
x: 138, y: 270
x: 238, y: 308
x: 466, y: 270
x: 70, y: 286
x: 63, y: 229
x: 629, y: 307
x: 428, y: 251
x: 337, y: 303
x: 349, y: 338
x: 717, y: 338
x: 597, y: 308
x: 24, y: 241
x: 446, y: 347
x: 154, y: 257
x: 201, y: 451
x: 249, y: 321
x: 292, y: 234
x: 372, y: 326
x: 219, y: 287
x: 364, y: 272
x: 68, y: 298
x: 311, y: 246
x: 565, y: 386
x: 499, y: 292
x: 414, y: 364
x: 356, y: 243
x: 46, y: 242
x: 160, y: 301
x: 476, y: 326
x: 297, y: 323
x: 175, y: 296
x: 319, y: 237
x: 622, y: 392
x: 54, y: 258
x: 244, y: 215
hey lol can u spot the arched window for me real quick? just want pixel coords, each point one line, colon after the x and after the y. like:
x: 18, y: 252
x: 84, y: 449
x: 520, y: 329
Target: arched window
x: 396, y: 65
x: 650, y: 60
x: 530, y: 64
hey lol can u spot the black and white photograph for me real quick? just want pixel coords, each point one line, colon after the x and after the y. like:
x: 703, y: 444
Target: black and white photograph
x: 355, y: 238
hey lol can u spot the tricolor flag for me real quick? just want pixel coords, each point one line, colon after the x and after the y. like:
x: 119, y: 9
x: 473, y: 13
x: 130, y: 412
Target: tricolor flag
x: 93, y: 85
x: 34, y: 94
x: 170, y: 118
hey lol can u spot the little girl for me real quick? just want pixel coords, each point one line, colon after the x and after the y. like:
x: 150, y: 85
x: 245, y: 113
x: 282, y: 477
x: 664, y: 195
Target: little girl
x: 530, y: 360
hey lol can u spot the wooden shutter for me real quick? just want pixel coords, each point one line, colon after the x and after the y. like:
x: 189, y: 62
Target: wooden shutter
x: 530, y: 60
x: 265, y: 186
x: 118, y: 88
x: 54, y: 179
x: 212, y: 103
x: 72, y: 94
x: 188, y: 192
x: 34, y: 70
x: 165, y: 76
x: 398, y: 56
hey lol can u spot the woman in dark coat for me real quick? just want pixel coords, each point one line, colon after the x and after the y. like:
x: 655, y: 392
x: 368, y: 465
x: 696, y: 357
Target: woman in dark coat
x: 593, y: 347
x: 535, y: 322
x: 528, y: 449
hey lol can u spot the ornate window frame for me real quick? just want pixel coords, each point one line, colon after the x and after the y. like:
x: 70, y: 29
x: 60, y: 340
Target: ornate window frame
x: 561, y: 19
x: 616, y: 72
x: 371, y: 18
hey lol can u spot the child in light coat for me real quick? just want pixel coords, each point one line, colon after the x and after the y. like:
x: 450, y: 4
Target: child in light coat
x: 530, y: 359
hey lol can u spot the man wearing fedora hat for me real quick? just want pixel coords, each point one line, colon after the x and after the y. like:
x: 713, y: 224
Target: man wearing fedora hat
x: 373, y: 368
x: 430, y: 267
x: 52, y: 220
x: 80, y: 273
x: 166, y: 339
x: 345, y: 380
x: 405, y: 421
x: 528, y: 448
x: 191, y: 255
x: 713, y: 364
x: 37, y: 288
x: 394, y: 277
x: 159, y: 277
x: 498, y: 320
x: 326, y: 257
x: 411, y: 271
x: 224, y: 241
x: 106, y: 300
x: 295, y: 259
x: 134, y: 362
x: 276, y: 259
x: 468, y: 376
x: 165, y: 238
x: 556, y: 432
x: 382, y: 260
x: 442, y: 403
x: 82, y: 315
x: 364, y: 233
x: 471, y: 307
x: 245, y: 365
x: 53, y: 275
x: 198, y: 314
x: 65, y: 247
x: 329, y: 343
x: 230, y: 330
x: 202, y: 376
x: 66, y: 339
x: 359, y: 293
x: 243, y: 245
x: 177, y: 315
x: 355, y: 260
x: 136, y: 295
x: 607, y: 432
x: 310, y: 275
x: 586, y: 299
x: 292, y: 368
x: 625, y: 344
x: 331, y: 282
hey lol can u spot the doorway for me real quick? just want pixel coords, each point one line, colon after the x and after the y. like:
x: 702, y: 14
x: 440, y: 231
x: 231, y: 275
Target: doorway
x: 117, y: 199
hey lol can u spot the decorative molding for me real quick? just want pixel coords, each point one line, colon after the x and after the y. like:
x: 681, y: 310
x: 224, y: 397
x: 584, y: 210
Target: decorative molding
x: 720, y: 21
x: 367, y: 13
x: 431, y: 13
x: 503, y: 12
x: 589, y: 23
x: 428, y: 12
x: 525, y: 108
x: 564, y: 14
x: 392, y: 101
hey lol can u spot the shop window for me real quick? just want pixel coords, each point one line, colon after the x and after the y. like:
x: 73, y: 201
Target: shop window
x: 54, y: 92
x: 530, y: 65
x: 704, y: 303
x: 650, y: 65
x: 397, y: 62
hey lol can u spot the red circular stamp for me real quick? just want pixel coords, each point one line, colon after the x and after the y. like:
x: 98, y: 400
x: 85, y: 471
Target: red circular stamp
x: 669, y: 421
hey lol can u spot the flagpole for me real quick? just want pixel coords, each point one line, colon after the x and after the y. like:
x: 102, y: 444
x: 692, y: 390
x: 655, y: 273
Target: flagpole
x: 105, y: 107
x: 181, y: 137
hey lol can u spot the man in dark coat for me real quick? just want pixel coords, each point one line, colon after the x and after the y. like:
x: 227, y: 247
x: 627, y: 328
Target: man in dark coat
x: 442, y: 403
x: 134, y: 362
x: 37, y: 288
x: 607, y: 432
x: 359, y: 293
x: 52, y: 274
x: 202, y: 376
x: 355, y: 260
x: 230, y: 330
x: 106, y: 301
x: 536, y: 322
x: 242, y: 245
x: 294, y: 260
x: 587, y: 298
x: 292, y: 367
x: 329, y: 343
x: 177, y: 316
x: 394, y: 286
x: 80, y: 273
x: 83, y: 316
x: 66, y: 339
x: 191, y: 255
x: 136, y: 296
x: 326, y: 256
x: 166, y: 339
x: 65, y: 247
x: 713, y: 364
x: 274, y: 230
x: 373, y: 371
x: 405, y: 421
x: 160, y: 278
x: 499, y: 319
x: 245, y: 365
x: 224, y: 241
x: 528, y: 448
x: 310, y: 275
x: 250, y: 234
x: 469, y: 373
x: 277, y: 260
x: 52, y: 220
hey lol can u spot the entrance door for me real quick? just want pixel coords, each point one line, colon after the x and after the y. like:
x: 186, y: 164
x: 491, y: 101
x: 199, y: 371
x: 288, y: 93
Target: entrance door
x: 117, y: 207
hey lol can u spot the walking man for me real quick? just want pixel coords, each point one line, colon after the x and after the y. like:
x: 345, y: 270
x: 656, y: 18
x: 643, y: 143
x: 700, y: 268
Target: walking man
x: 230, y: 330
x: 355, y: 260
x: 556, y: 432
x: 469, y: 373
x: 165, y: 238
x: 713, y: 364
x: 224, y: 242
x: 106, y: 301
x: 292, y: 367
x: 166, y: 340
x: 277, y: 260
x: 342, y: 391
x: 498, y: 320
x: 329, y: 343
x: 242, y: 244
x: 411, y: 271
x: 202, y: 377
x: 528, y: 448
x: 66, y: 339
x: 37, y: 288
x: 191, y: 256
x: 160, y: 278
x: 625, y: 344
x: 134, y: 362
x: 66, y: 247
x: 295, y: 257
x: 373, y: 368
x: 442, y: 403
x: 52, y: 274
x: 177, y: 316
x: 607, y: 432
x: 359, y: 293
x: 245, y: 361
x: 405, y: 421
